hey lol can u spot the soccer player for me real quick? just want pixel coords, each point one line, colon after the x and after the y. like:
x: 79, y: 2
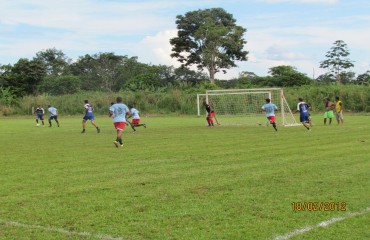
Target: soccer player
x: 119, y: 112
x: 302, y: 108
x: 339, y: 110
x: 210, y: 114
x: 270, y: 108
x: 89, y: 115
x: 53, y: 115
x: 329, y: 106
x: 135, y: 118
x: 40, y: 115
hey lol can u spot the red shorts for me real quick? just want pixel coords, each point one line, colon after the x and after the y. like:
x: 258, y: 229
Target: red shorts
x: 272, y: 118
x: 211, y: 115
x: 119, y: 125
x: 136, y: 121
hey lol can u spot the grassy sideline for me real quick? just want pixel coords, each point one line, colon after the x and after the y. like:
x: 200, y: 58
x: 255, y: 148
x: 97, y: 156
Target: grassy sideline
x: 178, y: 179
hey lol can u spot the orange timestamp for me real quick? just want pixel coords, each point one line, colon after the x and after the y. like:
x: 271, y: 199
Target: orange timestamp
x: 319, y: 206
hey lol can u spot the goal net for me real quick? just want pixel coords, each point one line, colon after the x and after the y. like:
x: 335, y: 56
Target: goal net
x: 244, y: 106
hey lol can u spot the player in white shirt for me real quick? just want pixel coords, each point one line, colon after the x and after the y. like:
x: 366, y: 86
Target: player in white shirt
x: 135, y: 118
x: 119, y: 111
x: 89, y: 115
x: 53, y: 115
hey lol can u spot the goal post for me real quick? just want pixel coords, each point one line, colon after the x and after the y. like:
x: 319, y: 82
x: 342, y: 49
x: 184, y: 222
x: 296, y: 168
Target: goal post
x: 244, y: 106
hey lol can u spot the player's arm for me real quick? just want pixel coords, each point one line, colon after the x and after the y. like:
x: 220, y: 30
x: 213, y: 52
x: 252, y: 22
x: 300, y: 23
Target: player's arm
x: 128, y: 115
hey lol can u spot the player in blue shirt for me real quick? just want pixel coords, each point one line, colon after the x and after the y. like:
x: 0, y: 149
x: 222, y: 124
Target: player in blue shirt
x: 119, y: 112
x: 53, y: 115
x: 270, y: 108
x: 89, y: 115
x: 304, y: 114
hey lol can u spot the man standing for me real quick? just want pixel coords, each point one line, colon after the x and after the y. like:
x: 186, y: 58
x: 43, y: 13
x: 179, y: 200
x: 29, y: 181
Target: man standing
x: 119, y: 111
x: 40, y: 115
x: 53, y: 115
x: 339, y: 110
x: 270, y: 108
x: 304, y: 115
x: 89, y: 115
x: 329, y: 107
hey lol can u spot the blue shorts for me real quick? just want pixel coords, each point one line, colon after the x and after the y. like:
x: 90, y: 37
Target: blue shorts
x: 40, y: 116
x: 88, y: 117
x: 304, y: 118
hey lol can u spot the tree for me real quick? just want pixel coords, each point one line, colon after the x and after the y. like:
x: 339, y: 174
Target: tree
x: 55, y: 61
x: 337, y: 61
x: 24, y: 76
x: 209, y: 39
x: 59, y: 85
x: 102, y: 71
x: 364, y: 79
x: 287, y: 76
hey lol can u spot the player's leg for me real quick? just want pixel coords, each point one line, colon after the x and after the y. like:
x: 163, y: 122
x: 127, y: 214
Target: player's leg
x: 119, y: 127
x: 209, y: 123
x: 95, y: 125
x: 83, y: 125
x: 272, y: 120
x: 56, y: 120
x: 49, y: 120
x: 136, y: 123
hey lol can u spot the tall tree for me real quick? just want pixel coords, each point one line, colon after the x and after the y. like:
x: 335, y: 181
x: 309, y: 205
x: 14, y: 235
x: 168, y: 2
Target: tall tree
x: 288, y: 76
x: 55, y: 61
x: 25, y: 75
x: 209, y: 39
x: 336, y: 59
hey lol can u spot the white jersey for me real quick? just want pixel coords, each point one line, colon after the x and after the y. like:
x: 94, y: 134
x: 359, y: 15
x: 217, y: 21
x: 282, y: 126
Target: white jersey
x: 135, y: 113
x: 52, y: 111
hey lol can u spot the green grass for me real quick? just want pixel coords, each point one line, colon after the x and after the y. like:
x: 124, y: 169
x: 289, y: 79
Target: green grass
x: 178, y: 179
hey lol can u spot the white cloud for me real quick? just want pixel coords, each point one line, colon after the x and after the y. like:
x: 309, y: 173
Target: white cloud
x: 300, y: 1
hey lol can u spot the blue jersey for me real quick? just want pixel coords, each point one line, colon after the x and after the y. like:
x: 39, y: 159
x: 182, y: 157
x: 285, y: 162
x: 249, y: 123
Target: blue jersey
x: 88, y: 110
x: 303, y: 107
x: 270, y: 109
x: 119, y: 112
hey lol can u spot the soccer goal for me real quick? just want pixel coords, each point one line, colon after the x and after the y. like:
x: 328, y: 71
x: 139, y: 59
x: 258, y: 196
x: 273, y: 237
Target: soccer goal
x: 243, y: 106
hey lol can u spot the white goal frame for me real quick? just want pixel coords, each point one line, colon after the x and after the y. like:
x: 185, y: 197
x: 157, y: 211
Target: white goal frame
x: 284, y: 112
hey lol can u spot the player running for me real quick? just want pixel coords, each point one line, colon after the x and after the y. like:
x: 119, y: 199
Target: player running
x: 270, y: 108
x: 304, y: 116
x: 53, y: 115
x: 40, y: 115
x: 119, y: 112
x: 89, y: 115
x: 135, y: 118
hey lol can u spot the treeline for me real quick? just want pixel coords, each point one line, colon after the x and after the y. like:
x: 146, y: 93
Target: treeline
x: 52, y: 77
x: 356, y: 98
x: 52, y: 72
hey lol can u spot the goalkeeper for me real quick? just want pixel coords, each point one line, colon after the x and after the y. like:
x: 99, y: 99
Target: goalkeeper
x: 210, y: 114
x: 270, y: 108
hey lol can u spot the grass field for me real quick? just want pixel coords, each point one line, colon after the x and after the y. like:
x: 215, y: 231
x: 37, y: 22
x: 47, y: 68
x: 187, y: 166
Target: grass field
x: 178, y: 179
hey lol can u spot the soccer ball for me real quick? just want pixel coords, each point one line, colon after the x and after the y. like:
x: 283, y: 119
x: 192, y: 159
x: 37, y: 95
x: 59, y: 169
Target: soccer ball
x: 37, y: 125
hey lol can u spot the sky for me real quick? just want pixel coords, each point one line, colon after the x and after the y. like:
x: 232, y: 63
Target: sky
x: 298, y: 33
